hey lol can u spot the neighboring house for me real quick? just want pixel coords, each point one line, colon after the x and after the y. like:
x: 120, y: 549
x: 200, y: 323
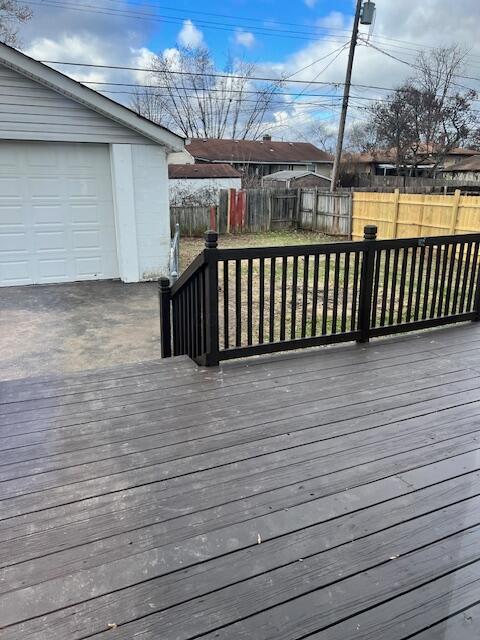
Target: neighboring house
x: 296, y: 180
x: 383, y: 163
x: 467, y: 169
x: 83, y: 181
x: 200, y: 184
x: 256, y: 158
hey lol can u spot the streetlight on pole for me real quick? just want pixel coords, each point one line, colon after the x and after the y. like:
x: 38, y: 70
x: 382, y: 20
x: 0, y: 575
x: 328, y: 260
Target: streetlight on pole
x: 363, y: 15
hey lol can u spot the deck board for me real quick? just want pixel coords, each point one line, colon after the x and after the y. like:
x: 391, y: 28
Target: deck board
x: 329, y: 493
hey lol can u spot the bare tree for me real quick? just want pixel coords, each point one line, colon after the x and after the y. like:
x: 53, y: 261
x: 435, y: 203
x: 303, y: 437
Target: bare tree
x: 12, y: 13
x: 322, y: 136
x: 360, y: 137
x: 430, y: 114
x: 145, y: 101
x: 192, y: 99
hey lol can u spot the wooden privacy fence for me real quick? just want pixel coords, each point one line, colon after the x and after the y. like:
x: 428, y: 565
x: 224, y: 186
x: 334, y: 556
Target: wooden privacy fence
x: 233, y: 303
x: 257, y: 210
x: 329, y: 213
x: 193, y: 220
x: 401, y: 215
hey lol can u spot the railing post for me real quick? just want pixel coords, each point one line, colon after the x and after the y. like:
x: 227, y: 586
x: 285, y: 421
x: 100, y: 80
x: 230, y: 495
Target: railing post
x: 366, y: 283
x: 211, y: 299
x: 165, y: 318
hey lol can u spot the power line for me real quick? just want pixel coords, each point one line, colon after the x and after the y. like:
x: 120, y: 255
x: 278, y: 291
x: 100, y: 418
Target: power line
x: 264, y: 31
x: 213, y: 75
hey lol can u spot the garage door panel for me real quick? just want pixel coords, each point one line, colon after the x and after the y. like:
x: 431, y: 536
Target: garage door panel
x: 12, y: 215
x: 88, y: 267
x: 17, y: 272
x: 10, y: 187
x: 48, y: 214
x: 85, y: 214
x: 55, y: 228
x: 53, y: 270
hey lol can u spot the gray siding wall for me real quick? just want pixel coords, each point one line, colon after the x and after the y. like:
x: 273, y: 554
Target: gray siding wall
x: 30, y: 111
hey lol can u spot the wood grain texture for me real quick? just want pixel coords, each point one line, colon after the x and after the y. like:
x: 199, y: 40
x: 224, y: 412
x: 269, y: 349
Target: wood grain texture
x: 329, y: 494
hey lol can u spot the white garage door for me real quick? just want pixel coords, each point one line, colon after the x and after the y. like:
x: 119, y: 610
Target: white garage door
x: 56, y: 213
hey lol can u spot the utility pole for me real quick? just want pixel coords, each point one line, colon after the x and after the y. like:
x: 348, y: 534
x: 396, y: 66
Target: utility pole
x: 346, y: 91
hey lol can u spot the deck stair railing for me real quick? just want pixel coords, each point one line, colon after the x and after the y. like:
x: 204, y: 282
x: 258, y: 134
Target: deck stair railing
x: 232, y: 303
x: 174, y: 262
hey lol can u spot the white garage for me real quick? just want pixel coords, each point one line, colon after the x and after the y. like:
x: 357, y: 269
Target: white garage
x: 83, y: 181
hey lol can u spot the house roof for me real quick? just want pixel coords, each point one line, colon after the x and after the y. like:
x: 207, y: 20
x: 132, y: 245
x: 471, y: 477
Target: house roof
x: 467, y: 164
x: 255, y: 151
x: 389, y: 155
x: 292, y: 175
x: 59, y: 82
x: 203, y: 170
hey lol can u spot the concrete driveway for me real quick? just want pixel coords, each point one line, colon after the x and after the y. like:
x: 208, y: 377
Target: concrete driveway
x: 55, y: 329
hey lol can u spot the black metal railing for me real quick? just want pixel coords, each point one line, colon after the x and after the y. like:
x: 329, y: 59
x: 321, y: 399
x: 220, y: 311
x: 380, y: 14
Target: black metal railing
x: 232, y: 303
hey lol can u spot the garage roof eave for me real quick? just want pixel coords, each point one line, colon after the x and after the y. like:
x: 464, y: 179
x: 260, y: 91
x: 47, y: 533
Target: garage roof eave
x: 91, y: 99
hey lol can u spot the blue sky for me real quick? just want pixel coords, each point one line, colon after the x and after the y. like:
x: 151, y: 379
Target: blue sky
x: 262, y: 19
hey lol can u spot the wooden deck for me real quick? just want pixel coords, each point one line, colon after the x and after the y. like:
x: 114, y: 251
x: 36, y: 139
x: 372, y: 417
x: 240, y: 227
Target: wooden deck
x: 331, y: 494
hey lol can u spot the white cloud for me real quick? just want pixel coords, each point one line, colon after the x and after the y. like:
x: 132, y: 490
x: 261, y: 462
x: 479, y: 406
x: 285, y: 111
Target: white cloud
x: 190, y: 36
x: 245, y: 38
x: 310, y: 3
x: 68, y: 47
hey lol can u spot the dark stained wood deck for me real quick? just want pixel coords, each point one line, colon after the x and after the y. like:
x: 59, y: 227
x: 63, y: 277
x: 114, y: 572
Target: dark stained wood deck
x: 331, y: 494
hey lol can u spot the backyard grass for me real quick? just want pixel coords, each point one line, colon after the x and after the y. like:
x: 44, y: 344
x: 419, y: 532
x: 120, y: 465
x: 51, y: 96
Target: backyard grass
x: 191, y: 247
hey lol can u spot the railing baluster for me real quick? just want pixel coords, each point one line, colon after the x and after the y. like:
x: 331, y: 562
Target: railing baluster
x: 261, y: 300
x: 283, y: 304
x: 438, y: 258
x: 375, y: 290
x: 271, y: 328
x: 203, y: 305
x: 336, y: 279
x: 249, y: 301
x: 451, y: 269
x: 305, y: 296
x: 226, y: 310
x: 401, y: 289
x: 428, y: 275
x: 356, y: 273
x: 418, y: 293
x: 473, y: 276
x: 293, y: 321
x: 193, y: 324
x: 198, y: 319
x: 391, y: 311
x: 346, y: 274
x: 466, y: 272
x: 441, y: 291
x: 411, y: 284
x: 460, y: 269
x: 386, y: 268
x: 326, y: 281
x: 315, y: 295
x: 238, y: 303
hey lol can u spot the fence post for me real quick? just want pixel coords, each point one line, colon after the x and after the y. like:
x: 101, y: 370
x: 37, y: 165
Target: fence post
x: 366, y: 282
x: 454, y: 220
x: 211, y: 299
x: 165, y: 318
x: 396, y: 203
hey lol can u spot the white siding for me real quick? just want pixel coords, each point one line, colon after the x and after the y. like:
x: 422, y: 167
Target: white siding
x: 150, y: 179
x: 180, y: 157
x: 30, y: 111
